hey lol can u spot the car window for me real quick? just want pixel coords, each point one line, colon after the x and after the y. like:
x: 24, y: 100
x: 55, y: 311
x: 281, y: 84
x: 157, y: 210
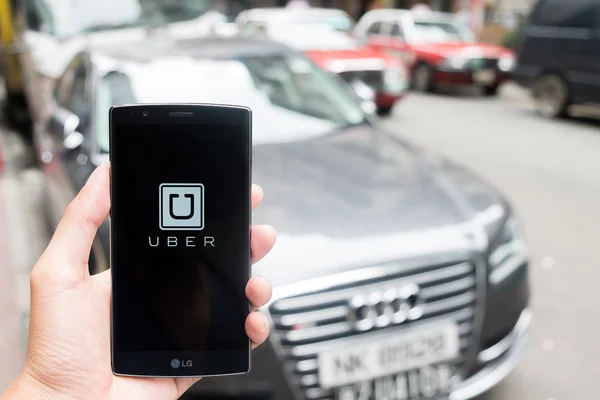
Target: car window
x: 291, y: 98
x: 338, y: 20
x: 253, y: 28
x: 77, y: 101
x: 431, y: 31
x: 375, y: 28
x: 38, y: 17
x: 311, y: 36
x: 64, y: 85
x: 71, y: 92
x: 396, y: 31
x: 567, y: 14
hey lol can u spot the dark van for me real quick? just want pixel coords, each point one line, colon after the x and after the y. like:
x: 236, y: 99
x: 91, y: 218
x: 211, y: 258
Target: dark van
x: 559, y: 55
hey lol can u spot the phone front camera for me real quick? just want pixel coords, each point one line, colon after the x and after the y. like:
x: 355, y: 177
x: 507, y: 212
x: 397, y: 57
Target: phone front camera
x: 145, y: 113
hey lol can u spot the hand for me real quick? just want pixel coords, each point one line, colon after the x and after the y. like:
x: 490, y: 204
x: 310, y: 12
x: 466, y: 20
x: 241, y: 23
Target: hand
x: 68, y: 355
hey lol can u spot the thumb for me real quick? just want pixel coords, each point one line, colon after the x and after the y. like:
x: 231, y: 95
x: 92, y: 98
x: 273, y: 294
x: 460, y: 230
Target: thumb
x: 66, y: 257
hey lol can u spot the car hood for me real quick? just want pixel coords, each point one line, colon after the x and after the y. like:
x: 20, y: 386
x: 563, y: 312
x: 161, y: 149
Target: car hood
x: 476, y: 49
x: 359, y: 197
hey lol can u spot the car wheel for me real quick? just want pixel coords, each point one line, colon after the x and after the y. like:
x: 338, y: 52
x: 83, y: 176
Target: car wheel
x: 422, y: 81
x: 490, y: 91
x: 551, y: 96
x: 16, y: 114
x: 384, y: 111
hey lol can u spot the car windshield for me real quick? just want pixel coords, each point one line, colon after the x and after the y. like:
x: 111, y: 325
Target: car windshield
x: 441, y: 31
x: 338, y: 21
x: 71, y: 17
x: 291, y: 99
x: 311, y: 36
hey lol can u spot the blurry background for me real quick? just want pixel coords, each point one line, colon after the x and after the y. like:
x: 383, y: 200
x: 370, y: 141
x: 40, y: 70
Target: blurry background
x: 548, y: 168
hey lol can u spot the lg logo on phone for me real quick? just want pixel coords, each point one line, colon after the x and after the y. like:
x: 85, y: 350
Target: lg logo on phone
x: 175, y: 363
x: 181, y: 206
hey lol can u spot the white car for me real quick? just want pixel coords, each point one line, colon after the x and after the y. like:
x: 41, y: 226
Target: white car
x: 55, y: 30
x: 251, y: 20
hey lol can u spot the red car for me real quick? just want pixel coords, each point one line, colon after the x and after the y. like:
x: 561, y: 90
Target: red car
x: 333, y: 50
x: 438, y: 48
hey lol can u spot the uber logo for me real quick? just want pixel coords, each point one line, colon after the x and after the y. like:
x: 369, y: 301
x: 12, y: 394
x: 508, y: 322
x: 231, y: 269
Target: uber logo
x: 181, y: 206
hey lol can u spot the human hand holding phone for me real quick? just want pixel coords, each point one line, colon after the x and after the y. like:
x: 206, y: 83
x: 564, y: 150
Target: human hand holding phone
x: 68, y: 354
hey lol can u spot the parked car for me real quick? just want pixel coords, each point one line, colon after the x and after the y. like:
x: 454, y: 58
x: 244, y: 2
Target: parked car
x: 332, y: 50
x: 376, y: 240
x: 335, y: 18
x: 438, y: 48
x: 42, y: 36
x: 558, y: 55
x: 14, y: 103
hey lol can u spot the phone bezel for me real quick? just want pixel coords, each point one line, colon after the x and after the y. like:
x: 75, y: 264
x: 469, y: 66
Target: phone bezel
x: 156, y: 364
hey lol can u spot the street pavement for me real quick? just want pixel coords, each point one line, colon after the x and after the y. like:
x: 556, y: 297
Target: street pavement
x: 550, y: 170
x: 24, y: 234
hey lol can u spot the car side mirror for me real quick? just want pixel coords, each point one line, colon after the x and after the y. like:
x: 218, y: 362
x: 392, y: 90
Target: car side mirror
x: 64, y: 124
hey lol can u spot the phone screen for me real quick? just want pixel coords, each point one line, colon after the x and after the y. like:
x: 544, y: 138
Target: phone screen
x: 180, y: 239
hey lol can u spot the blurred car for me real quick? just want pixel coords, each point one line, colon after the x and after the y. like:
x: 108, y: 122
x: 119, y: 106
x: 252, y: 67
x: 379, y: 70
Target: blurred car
x: 382, y: 249
x: 46, y: 34
x: 439, y: 49
x: 255, y: 18
x: 14, y: 103
x: 558, y: 55
x: 332, y: 50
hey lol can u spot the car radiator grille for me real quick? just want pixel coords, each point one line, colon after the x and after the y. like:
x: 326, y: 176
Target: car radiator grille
x: 372, y: 78
x: 483, y: 63
x: 306, y: 324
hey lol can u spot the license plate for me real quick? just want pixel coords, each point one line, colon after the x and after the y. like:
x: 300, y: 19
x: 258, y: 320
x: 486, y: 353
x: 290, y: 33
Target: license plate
x: 485, y: 76
x: 421, y: 383
x: 381, y: 356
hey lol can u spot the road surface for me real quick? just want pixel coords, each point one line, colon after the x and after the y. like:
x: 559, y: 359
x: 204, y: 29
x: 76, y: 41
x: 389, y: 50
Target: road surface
x: 550, y: 170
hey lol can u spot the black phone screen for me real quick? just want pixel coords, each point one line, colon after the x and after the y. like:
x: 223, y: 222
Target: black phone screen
x: 180, y: 239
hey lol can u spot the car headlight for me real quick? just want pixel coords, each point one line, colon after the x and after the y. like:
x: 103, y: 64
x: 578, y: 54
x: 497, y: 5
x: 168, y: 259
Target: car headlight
x: 508, y: 251
x: 456, y: 61
x: 395, y: 80
x: 507, y: 63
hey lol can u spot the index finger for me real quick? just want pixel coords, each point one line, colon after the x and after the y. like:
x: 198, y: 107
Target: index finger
x: 73, y: 238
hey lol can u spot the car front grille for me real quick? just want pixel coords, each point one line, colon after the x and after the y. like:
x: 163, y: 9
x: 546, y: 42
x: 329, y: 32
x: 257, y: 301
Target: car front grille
x: 484, y: 63
x: 372, y: 78
x: 309, y: 323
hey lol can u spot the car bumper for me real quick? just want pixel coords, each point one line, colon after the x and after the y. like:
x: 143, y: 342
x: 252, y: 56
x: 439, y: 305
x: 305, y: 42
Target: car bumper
x: 496, y: 362
x: 526, y: 75
x: 267, y: 380
x: 459, y: 77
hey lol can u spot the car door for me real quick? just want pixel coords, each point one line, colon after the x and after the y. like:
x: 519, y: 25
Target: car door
x: 560, y: 39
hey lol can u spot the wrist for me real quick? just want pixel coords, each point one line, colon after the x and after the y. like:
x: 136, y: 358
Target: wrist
x: 27, y: 387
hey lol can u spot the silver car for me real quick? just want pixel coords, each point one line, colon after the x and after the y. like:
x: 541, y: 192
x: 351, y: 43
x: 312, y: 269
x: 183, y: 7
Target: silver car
x: 397, y: 275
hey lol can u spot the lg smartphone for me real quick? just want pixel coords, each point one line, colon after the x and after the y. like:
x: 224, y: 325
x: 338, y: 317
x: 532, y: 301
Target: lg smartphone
x: 180, y: 239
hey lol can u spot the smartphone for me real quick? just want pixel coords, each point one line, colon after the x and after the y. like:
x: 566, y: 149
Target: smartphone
x: 180, y: 239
